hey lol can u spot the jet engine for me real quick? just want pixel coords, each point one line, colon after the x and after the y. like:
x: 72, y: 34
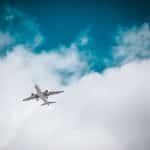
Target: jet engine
x: 46, y: 91
x: 32, y: 94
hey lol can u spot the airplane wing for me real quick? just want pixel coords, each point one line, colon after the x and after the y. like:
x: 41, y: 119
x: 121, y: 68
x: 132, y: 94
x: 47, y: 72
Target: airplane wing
x: 54, y: 92
x: 38, y: 90
x: 29, y: 98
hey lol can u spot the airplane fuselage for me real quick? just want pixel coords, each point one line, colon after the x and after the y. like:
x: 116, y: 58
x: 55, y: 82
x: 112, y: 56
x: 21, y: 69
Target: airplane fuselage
x: 43, y: 95
x: 40, y: 94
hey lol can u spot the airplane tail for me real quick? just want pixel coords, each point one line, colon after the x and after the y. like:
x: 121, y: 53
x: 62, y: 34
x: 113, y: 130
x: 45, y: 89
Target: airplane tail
x: 47, y: 103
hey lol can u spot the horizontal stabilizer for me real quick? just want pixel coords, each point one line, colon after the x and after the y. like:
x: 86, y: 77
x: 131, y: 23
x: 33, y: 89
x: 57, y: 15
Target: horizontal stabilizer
x: 47, y: 103
x: 54, y: 92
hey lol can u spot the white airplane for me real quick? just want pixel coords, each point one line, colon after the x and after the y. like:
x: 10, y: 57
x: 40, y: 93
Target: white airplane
x: 42, y: 95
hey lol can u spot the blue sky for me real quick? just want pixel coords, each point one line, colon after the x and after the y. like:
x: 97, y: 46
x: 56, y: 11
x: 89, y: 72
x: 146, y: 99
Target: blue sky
x: 97, y: 52
x: 64, y: 22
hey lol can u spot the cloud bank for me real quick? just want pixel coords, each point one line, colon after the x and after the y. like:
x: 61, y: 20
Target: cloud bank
x: 107, y: 111
x: 98, y: 111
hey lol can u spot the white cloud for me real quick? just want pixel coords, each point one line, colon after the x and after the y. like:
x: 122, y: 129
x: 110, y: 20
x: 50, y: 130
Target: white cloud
x: 20, y: 69
x: 133, y: 44
x: 108, y: 111
x: 5, y: 40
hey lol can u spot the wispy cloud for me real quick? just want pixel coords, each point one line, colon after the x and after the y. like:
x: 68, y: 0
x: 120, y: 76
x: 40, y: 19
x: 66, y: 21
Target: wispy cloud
x: 5, y: 40
x: 133, y: 44
x: 19, y: 26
